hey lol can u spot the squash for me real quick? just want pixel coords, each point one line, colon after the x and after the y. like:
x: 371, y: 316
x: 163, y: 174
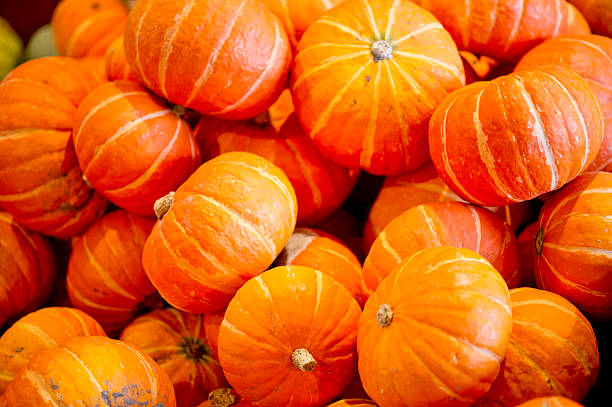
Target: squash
x: 598, y: 13
x: 554, y: 401
x: 116, y: 65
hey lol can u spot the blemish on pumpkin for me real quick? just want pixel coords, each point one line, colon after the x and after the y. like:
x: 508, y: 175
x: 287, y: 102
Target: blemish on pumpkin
x: 19, y: 350
x: 53, y: 385
x: 95, y: 6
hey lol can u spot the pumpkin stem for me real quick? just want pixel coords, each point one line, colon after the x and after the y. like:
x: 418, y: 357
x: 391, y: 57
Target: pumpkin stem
x: 539, y: 241
x: 382, y: 50
x: 178, y: 110
x: 303, y: 360
x: 262, y: 119
x: 194, y: 348
x: 222, y: 397
x: 384, y: 315
x: 162, y: 205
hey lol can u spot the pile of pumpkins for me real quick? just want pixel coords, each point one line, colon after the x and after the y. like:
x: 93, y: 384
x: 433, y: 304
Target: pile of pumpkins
x: 174, y: 190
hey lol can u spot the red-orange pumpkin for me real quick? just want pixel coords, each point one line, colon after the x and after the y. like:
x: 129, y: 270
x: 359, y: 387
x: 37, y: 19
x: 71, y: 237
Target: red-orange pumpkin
x: 598, y: 13
x: 366, y: 79
x: 225, y: 58
x: 131, y: 147
x: 551, y: 402
x: 516, y: 137
x: 527, y: 254
x: 116, y: 65
x: 281, y: 110
x: 352, y: 403
x: 212, y: 324
x: 288, y: 338
x: 435, y: 331
x: 576, y: 23
x: 96, y: 66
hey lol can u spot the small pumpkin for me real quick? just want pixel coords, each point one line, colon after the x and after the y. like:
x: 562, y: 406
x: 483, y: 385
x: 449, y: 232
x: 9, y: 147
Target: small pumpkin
x: 576, y: 22
x: 554, y: 401
x: 352, y: 403
x: 598, y: 13
x: 116, y: 65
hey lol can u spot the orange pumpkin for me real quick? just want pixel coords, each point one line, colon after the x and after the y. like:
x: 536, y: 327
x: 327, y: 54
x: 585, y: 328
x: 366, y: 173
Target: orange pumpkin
x: 96, y: 66
x: 102, y: 371
x: 225, y: 224
x: 281, y: 110
x: 574, y: 244
x: 477, y: 67
x: 555, y: 401
x: 224, y: 397
x: 177, y: 342
x: 576, y: 23
x: 352, y: 403
x: 516, y: 137
x: 85, y: 28
x: 131, y: 147
x: 105, y: 275
x: 39, y: 330
x: 290, y: 326
x: 366, y: 79
x: 40, y: 180
x: 443, y: 224
x: 212, y: 325
x: 552, y: 351
x: 116, y: 65
x: 598, y: 13
x: 527, y: 254
x: 225, y: 58
x: 590, y: 56
x: 435, y: 332
x: 27, y: 270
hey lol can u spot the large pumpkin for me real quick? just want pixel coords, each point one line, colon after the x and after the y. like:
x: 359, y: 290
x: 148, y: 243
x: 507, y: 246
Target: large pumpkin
x: 366, y: 79
x: 554, y: 401
x: 516, y: 137
x: 39, y: 330
x: 40, y: 180
x: 225, y: 224
x: 131, y: 147
x: 177, y: 342
x: 552, y: 351
x: 574, y: 243
x: 90, y: 371
x: 598, y: 13
x: 288, y: 338
x: 435, y: 331
x: 225, y: 58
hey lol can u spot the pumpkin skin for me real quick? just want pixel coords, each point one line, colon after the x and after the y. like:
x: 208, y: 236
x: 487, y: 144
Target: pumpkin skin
x: 131, y: 147
x: 551, y: 402
x: 365, y: 93
x: 96, y: 66
x: 320, y: 184
x: 177, y: 342
x: 212, y: 325
x: 573, y: 244
x: 94, y: 369
x: 226, y: 224
x: 27, y: 270
x: 352, y: 403
x: 39, y: 102
x: 242, y: 44
x: 576, y: 23
x: 281, y: 110
x: 39, y: 330
x: 527, y: 254
x: 441, y: 345
x: 85, y: 28
x: 516, y: 137
x: 598, y: 13
x: 552, y: 351
x: 443, y: 224
x: 116, y: 65
x: 318, y: 317
x: 590, y: 56
x: 105, y: 275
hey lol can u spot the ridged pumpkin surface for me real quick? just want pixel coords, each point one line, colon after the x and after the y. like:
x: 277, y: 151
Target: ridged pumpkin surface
x: 551, y: 402
x: 116, y: 65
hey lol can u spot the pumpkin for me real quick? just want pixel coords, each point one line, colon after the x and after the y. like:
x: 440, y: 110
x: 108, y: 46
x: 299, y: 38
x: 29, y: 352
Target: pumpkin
x: 85, y: 28
x: 590, y: 56
x: 321, y: 251
x: 366, y: 79
x: 290, y: 326
x: 105, y: 275
x: 576, y: 23
x: 527, y: 254
x: 442, y: 344
x: 131, y: 147
x: 598, y: 13
x: 516, y: 137
x: 443, y: 224
x: 477, y: 67
x: 552, y: 351
x: 27, y: 270
x: 115, y: 63
x: 224, y: 58
x: 11, y: 48
x: 573, y: 244
x: 281, y: 110
x: 320, y: 184
x: 224, y: 397
x: 554, y: 401
x: 40, y: 180
x: 225, y: 224
x: 177, y: 342
x: 504, y: 29
x: 352, y: 403
x: 212, y: 325
x: 39, y: 330
x: 96, y: 66
x: 102, y: 371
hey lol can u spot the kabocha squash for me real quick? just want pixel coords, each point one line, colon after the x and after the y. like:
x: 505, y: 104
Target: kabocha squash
x: 27, y: 270
x: 590, y: 56
x: 574, y: 243
x: 576, y: 23
x: 177, y: 342
x: 527, y: 254
x: 598, y: 13
x: 320, y: 184
x: 85, y: 28
x: 291, y: 328
x: 366, y: 79
x: 552, y: 351
x: 551, y: 402
x: 105, y: 275
x: 435, y: 331
x: 352, y: 403
x: 225, y: 58
x: 225, y: 224
x: 40, y: 180
x: 39, y: 330
x: 516, y: 137
x: 94, y: 369
x: 443, y: 224
x: 116, y: 64
x: 131, y: 147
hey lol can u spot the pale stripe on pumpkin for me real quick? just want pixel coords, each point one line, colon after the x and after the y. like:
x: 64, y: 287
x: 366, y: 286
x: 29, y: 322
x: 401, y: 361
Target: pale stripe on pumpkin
x: 557, y: 307
x: 76, y: 35
x: 326, y: 63
x: 143, y: 77
x: 576, y: 195
x: 387, y: 246
x: 342, y: 28
x: 431, y: 61
x: 317, y: 197
x: 372, y: 19
x: 391, y: 19
x: 87, y: 302
x: 39, y: 383
x: 89, y: 373
x: 424, y: 29
x: 593, y: 251
x: 478, y: 227
x: 570, y: 283
x: 587, y: 44
x: 415, y: 86
x: 398, y: 111
x: 148, y: 370
x: 36, y: 331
